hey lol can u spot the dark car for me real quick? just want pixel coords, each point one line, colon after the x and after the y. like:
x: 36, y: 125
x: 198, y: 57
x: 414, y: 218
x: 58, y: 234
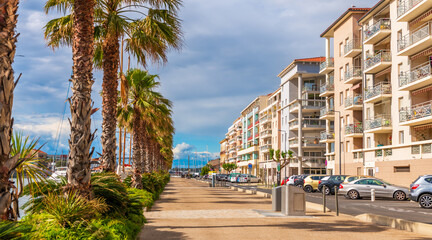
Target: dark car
x: 222, y: 177
x: 299, y: 180
x: 328, y: 185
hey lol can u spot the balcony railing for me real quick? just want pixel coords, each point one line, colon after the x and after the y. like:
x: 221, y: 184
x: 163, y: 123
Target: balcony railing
x: 308, y: 122
x: 378, y: 122
x: 352, y: 44
x: 310, y: 88
x: 353, y: 128
x: 329, y: 62
x: 378, y: 89
x: 307, y: 141
x: 327, y: 135
x: 265, y: 133
x: 353, y: 72
x: 326, y: 110
x: 416, y: 111
x: 383, y: 23
x: 312, y: 103
x: 357, y: 99
x: 405, y: 6
x: 415, y: 74
x: 381, y: 56
x: 327, y: 87
x: 414, y: 36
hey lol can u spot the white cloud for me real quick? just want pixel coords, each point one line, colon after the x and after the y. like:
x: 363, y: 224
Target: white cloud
x: 183, y: 150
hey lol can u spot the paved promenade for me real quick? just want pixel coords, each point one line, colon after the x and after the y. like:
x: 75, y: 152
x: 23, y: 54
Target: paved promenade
x: 189, y: 209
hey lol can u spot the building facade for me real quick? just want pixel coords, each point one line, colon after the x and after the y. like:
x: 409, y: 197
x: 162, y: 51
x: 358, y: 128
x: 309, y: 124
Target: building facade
x: 223, y: 153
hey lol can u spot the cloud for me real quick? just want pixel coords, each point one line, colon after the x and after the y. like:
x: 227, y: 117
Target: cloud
x: 184, y: 150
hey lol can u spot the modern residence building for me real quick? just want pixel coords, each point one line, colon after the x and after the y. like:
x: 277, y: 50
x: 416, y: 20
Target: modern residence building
x: 300, y: 111
x: 223, y: 152
x: 269, y: 120
x: 234, y: 141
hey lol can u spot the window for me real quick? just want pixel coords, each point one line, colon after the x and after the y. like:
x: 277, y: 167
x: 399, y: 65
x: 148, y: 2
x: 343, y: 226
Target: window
x: 348, y: 146
x: 429, y: 180
x: 341, y: 98
x: 400, y: 103
x: 401, y: 137
x: 367, y: 113
x: 341, y: 74
x: 342, y: 147
x: 369, y: 142
x: 340, y: 49
x: 342, y: 122
x: 401, y: 168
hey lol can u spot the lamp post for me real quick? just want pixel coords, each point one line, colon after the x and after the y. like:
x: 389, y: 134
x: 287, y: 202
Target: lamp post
x: 340, y: 141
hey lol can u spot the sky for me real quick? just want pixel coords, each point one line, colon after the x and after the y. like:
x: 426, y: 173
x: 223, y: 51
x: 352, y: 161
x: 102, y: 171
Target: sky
x: 233, y: 51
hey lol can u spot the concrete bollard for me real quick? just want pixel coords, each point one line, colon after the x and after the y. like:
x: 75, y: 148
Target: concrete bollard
x: 336, y: 201
x: 276, y: 199
x: 324, y: 199
x: 372, y: 195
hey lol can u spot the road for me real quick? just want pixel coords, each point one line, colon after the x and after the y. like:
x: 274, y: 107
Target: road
x: 406, y: 210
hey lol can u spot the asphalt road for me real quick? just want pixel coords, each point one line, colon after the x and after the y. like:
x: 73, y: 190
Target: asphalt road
x: 406, y: 210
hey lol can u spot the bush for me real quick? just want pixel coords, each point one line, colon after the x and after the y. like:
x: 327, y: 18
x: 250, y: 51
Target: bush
x: 146, y: 198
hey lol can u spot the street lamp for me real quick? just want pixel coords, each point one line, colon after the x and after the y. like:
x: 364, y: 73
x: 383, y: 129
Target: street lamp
x: 340, y: 141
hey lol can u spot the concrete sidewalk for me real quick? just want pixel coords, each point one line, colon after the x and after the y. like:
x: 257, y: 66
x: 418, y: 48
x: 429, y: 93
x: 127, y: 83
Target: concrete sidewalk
x: 189, y: 209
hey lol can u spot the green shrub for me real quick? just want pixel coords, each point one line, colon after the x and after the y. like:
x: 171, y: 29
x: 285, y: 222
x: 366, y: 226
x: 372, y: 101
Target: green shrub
x: 146, y: 198
x: 108, y: 187
x: 14, y: 230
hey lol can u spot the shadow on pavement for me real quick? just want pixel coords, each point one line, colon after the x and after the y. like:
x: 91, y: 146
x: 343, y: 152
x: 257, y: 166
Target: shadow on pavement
x: 153, y: 232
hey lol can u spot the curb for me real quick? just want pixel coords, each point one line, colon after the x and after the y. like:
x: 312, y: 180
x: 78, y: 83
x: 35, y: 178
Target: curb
x: 416, y: 227
x: 316, y: 206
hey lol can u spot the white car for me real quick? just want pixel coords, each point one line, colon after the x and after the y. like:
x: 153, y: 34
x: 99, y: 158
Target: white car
x: 290, y: 180
x: 247, y: 178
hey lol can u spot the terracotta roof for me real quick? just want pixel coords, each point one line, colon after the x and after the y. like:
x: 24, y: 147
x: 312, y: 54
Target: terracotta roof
x: 39, y: 151
x: 342, y: 16
x: 314, y: 59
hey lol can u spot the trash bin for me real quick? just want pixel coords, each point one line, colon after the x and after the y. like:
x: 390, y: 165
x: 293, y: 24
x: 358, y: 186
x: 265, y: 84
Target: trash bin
x: 293, y: 201
x: 276, y: 199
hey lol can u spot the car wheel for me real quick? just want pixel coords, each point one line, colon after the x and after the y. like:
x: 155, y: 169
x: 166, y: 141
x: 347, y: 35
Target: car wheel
x: 308, y: 189
x: 399, y: 195
x: 353, y: 194
x: 327, y: 190
x: 299, y: 186
x: 425, y: 201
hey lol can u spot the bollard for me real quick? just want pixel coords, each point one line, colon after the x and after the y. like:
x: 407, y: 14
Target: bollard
x: 324, y: 199
x: 337, y: 202
x: 372, y: 195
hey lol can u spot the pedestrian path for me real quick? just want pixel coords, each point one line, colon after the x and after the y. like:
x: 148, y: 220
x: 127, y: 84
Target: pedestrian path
x: 189, y: 209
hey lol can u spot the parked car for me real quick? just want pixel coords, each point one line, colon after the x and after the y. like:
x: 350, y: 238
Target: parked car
x: 421, y: 191
x: 299, y: 180
x: 289, y: 180
x: 233, y: 177
x: 328, y: 184
x: 311, y: 182
x: 362, y: 188
x: 355, y: 177
x: 247, y: 178
x: 221, y: 177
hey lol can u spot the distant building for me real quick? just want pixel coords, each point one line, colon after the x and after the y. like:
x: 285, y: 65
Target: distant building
x: 215, y: 164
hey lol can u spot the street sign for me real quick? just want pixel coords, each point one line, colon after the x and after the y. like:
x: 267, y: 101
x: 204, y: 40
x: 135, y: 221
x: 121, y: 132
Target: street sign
x: 250, y: 165
x: 278, y: 167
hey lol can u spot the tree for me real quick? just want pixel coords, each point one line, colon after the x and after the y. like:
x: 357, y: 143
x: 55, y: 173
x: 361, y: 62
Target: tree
x: 148, y: 36
x: 282, y: 158
x: 205, y: 170
x: 229, y: 167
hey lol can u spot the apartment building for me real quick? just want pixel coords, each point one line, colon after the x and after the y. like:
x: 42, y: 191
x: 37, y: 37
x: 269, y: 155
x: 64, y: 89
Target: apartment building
x: 384, y: 117
x: 269, y: 120
x: 223, y: 152
x: 234, y: 141
x: 343, y: 92
x: 300, y: 125
x: 249, y: 153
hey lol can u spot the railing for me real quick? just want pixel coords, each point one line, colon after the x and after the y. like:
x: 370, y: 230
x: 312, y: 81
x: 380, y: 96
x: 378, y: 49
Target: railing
x: 265, y: 147
x: 352, y: 44
x: 327, y: 135
x: 329, y: 62
x: 405, y: 6
x: 378, y: 89
x: 327, y: 110
x: 353, y: 72
x: 326, y: 87
x: 310, y: 88
x: 416, y: 111
x: 383, y: 23
x: 307, y: 122
x: 310, y: 141
x: 378, y: 121
x: 417, y: 73
x: 414, y: 36
x: 380, y: 56
x: 267, y: 132
x: 357, y: 99
x: 354, y: 128
x: 250, y: 126
x: 312, y: 103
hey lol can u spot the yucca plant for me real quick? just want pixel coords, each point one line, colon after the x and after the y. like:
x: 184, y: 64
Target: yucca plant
x: 108, y: 186
x: 38, y: 193
x: 13, y: 230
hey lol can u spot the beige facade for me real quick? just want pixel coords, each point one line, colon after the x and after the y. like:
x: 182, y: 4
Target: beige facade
x: 223, y: 152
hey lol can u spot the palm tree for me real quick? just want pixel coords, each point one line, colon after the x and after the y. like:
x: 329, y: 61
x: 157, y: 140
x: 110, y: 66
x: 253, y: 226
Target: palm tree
x: 148, y: 37
x: 8, y: 39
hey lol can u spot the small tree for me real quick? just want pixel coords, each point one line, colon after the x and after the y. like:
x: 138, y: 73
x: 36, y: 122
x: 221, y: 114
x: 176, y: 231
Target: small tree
x: 229, y: 167
x: 205, y: 170
x: 282, y: 158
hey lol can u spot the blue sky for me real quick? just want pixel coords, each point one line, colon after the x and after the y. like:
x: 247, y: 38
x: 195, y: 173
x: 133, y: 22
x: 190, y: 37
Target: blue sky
x: 233, y: 51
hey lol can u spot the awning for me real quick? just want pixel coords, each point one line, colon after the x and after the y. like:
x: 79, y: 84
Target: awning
x: 423, y: 53
x: 422, y: 90
x: 420, y: 18
x: 385, y: 71
x: 357, y: 86
x: 423, y: 127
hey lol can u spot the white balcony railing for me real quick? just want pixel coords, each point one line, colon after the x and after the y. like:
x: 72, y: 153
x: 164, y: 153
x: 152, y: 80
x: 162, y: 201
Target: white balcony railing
x: 378, y: 122
x: 378, y: 89
x: 415, y: 36
x: 405, y: 6
x: 329, y: 62
x: 312, y: 103
x: 353, y: 72
x: 357, y: 99
x: 354, y: 128
x: 352, y: 44
x: 327, y: 135
x: 415, y: 74
x: 416, y: 111
x: 327, y: 87
x: 310, y: 88
x: 327, y: 110
x: 379, y: 57
x: 382, y: 24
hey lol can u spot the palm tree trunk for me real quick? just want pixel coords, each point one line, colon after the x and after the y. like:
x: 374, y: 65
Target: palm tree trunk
x: 120, y: 147
x: 78, y: 172
x: 130, y: 146
x: 136, y: 165
x: 124, y: 149
x: 110, y: 65
x: 8, y: 39
x: 144, y: 148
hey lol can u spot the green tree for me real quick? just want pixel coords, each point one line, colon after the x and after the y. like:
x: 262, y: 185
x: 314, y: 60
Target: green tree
x: 205, y: 170
x: 229, y: 167
x: 282, y: 158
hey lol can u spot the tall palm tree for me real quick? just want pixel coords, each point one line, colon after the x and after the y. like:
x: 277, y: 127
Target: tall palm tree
x: 148, y: 37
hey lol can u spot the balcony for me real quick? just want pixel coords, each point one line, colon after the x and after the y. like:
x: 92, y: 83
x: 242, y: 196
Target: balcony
x: 308, y: 142
x: 378, y: 92
x: 265, y: 147
x: 311, y: 124
x: 265, y: 119
x: 353, y: 75
x: 378, y: 62
x: 266, y: 134
x: 418, y: 77
x: 354, y: 130
x: 410, y: 9
x: 310, y: 88
x: 379, y: 124
x: 352, y: 48
x: 327, y: 113
x: 308, y: 105
x: 327, y: 88
x: 248, y: 150
x: 416, y: 41
x: 327, y: 137
x: 416, y: 115
x: 327, y: 66
x: 354, y: 102
x: 377, y: 31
